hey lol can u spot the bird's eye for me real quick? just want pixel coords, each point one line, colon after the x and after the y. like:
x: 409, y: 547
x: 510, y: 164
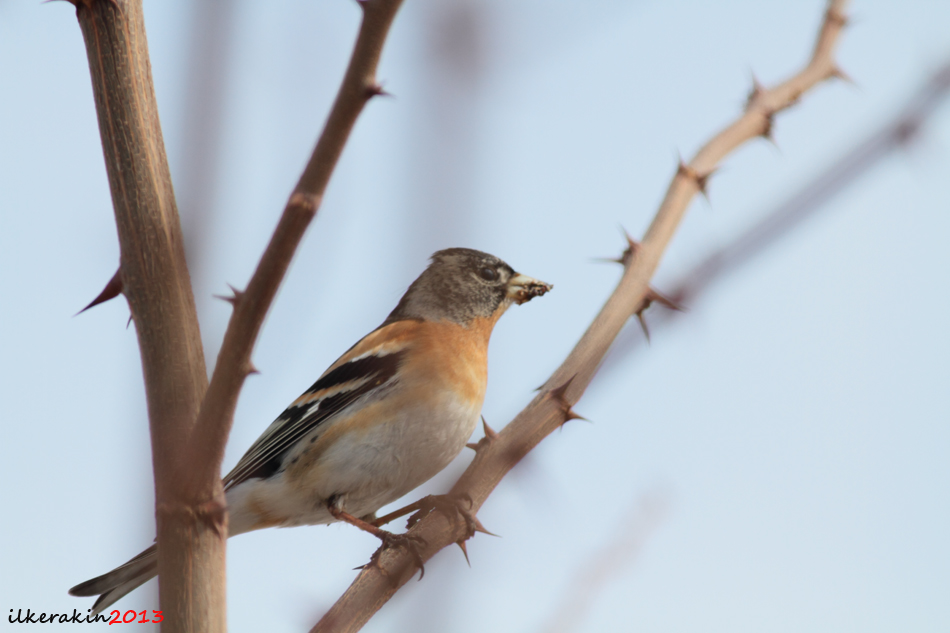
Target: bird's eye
x: 488, y: 274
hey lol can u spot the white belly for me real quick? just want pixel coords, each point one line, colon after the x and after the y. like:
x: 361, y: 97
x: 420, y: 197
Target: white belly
x: 366, y: 468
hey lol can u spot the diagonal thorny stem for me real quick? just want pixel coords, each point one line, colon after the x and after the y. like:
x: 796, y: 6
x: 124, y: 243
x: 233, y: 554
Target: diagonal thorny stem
x: 376, y: 584
x: 896, y: 134
x: 250, y: 307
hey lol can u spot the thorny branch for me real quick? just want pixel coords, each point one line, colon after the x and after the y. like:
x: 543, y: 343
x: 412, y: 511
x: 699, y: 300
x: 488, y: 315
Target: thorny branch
x: 551, y: 408
x: 153, y: 276
x: 190, y: 419
x: 798, y: 208
x: 251, y: 306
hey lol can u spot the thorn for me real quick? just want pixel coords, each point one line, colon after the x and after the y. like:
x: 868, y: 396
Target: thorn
x: 767, y: 132
x: 489, y: 432
x: 632, y: 244
x: 837, y: 73
x: 478, y: 527
x: 573, y: 415
x: 654, y: 296
x: 234, y: 299
x: 700, y: 179
x: 566, y: 409
x: 461, y: 545
x: 559, y: 396
x: 605, y: 260
x: 651, y: 297
x: 632, y: 247
x: 250, y: 369
x: 757, y: 91
x: 112, y: 290
x: 682, y: 169
x: 376, y: 90
x: 129, y: 322
x: 471, y: 521
x: 558, y: 392
x: 643, y: 325
x: 490, y: 436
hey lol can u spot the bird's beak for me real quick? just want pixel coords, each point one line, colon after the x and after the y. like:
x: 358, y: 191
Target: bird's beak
x: 522, y: 288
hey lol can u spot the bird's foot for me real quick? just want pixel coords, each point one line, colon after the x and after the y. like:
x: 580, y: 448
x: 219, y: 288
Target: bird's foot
x: 413, y: 544
x: 450, y: 505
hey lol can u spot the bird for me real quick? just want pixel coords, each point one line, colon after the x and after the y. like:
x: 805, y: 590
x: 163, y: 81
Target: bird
x: 387, y: 416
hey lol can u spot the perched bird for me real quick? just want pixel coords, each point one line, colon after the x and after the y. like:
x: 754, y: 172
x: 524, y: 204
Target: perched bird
x: 388, y: 415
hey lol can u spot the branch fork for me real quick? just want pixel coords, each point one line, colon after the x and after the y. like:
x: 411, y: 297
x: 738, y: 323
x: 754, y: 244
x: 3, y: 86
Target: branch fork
x: 189, y: 418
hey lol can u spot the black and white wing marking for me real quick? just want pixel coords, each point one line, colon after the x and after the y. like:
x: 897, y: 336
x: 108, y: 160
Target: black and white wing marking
x: 331, y: 394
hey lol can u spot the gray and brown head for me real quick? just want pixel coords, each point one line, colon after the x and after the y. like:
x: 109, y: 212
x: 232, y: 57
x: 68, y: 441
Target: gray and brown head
x: 461, y: 284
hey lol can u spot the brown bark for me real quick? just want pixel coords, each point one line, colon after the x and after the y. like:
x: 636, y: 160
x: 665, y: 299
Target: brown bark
x: 156, y: 283
x: 189, y: 419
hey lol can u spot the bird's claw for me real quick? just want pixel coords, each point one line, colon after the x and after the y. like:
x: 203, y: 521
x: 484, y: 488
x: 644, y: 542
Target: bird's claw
x: 460, y: 504
x: 411, y: 543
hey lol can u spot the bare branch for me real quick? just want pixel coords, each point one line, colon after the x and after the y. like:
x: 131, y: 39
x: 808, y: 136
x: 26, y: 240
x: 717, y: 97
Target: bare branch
x: 779, y: 222
x: 250, y: 307
x: 550, y: 408
x: 154, y: 278
x: 894, y: 135
x: 187, y: 441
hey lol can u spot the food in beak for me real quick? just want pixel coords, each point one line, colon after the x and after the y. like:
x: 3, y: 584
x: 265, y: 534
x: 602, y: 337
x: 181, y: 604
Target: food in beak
x: 522, y: 288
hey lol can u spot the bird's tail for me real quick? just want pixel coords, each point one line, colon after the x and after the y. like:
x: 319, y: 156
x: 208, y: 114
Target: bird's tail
x: 120, y: 581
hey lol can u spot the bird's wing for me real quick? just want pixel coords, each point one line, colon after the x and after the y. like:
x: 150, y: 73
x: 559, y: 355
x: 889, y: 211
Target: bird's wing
x: 366, y: 372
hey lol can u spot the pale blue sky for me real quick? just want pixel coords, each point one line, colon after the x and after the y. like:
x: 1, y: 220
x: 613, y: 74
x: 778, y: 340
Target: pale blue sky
x: 796, y: 421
